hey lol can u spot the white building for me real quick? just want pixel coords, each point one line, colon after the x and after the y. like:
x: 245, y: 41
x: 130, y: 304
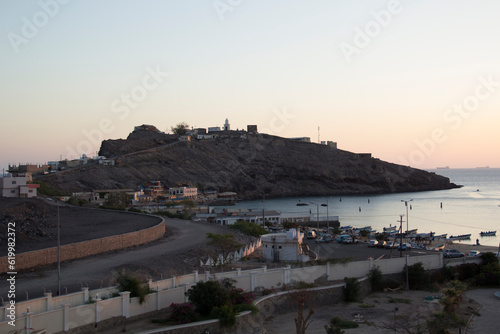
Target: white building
x: 227, y: 127
x: 181, y: 192
x: 17, y: 187
x: 284, y: 247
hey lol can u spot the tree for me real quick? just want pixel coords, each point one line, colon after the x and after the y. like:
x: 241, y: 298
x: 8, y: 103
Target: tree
x: 223, y: 244
x: 180, y: 129
x: 205, y: 296
x: 302, y: 297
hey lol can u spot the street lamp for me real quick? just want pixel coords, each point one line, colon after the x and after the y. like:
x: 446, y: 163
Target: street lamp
x: 317, y: 212
x: 406, y: 204
x: 327, y: 218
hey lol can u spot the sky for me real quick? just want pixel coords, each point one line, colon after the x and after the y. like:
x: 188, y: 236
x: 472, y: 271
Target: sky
x: 412, y: 82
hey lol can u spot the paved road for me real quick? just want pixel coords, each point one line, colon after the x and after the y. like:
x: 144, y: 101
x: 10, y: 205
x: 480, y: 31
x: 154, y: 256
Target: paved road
x: 96, y: 271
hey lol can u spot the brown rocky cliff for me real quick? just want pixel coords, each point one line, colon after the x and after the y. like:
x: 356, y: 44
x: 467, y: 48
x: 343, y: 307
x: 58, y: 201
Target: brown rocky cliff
x: 251, y: 166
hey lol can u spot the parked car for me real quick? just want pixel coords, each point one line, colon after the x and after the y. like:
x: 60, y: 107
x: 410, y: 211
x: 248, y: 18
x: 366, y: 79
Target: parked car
x: 311, y: 235
x: 404, y: 246
x: 474, y: 253
x: 381, y: 244
x: 391, y: 244
x: 325, y: 238
x: 372, y: 243
x: 452, y: 253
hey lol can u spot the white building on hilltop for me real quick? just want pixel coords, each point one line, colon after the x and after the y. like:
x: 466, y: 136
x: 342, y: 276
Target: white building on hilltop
x: 227, y: 127
x: 284, y: 247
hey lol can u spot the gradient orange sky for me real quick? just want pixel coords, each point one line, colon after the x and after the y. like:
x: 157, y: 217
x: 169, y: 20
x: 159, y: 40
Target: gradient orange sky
x: 416, y: 83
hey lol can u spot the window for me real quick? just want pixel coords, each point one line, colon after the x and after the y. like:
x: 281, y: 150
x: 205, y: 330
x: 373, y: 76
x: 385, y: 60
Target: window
x: 12, y: 191
x: 14, y: 182
x: 279, y: 247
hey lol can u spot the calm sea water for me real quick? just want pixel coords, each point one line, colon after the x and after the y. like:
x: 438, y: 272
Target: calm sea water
x: 471, y: 209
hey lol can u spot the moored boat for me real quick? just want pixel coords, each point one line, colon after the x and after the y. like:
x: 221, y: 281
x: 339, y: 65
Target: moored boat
x: 460, y: 237
x: 488, y: 233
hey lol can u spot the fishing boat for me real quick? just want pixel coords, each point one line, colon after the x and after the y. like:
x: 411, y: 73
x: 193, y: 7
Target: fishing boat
x: 441, y: 236
x: 488, y: 233
x: 460, y: 237
x: 390, y: 229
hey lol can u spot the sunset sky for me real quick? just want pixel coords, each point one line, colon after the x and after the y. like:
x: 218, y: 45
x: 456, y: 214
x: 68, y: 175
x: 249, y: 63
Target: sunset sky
x: 412, y: 82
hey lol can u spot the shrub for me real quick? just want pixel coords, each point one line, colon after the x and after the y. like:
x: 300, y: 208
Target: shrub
x: 207, y: 295
x: 466, y: 271
x: 128, y: 282
x: 417, y: 276
x: 226, y: 315
x: 183, y: 313
x: 248, y: 228
x: 376, y: 279
x: 341, y: 323
x: 238, y: 296
x: 351, y: 289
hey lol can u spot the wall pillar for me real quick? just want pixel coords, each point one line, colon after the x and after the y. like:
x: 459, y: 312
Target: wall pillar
x: 65, y: 316
x: 286, y: 274
x: 371, y: 263
x: 207, y: 275
x: 264, y: 269
x: 186, y: 299
x: 158, y: 299
x: 150, y: 283
x: 48, y: 300
x: 328, y: 268
x: 174, y: 283
x: 125, y: 303
x: 97, y: 309
x: 27, y: 321
x: 253, y: 280
x: 196, y: 278
x: 85, y: 290
x: 239, y: 272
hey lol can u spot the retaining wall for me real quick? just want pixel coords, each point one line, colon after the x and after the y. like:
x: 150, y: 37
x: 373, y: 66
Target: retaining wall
x: 85, y: 248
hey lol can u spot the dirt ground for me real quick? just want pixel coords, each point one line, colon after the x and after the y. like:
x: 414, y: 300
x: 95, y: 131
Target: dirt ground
x: 378, y: 313
x: 36, y: 223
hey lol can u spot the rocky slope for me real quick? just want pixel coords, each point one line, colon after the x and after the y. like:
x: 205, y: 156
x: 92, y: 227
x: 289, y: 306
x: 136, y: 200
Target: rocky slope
x: 249, y: 164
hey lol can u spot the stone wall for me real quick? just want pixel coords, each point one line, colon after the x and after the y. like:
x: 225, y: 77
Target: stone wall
x: 85, y: 248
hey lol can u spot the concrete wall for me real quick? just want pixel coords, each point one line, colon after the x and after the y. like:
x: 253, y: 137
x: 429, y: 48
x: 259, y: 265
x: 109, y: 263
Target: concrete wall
x: 102, y: 312
x: 85, y: 248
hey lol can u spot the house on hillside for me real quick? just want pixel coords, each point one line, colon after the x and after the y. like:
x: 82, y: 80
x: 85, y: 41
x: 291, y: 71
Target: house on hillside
x: 17, y: 187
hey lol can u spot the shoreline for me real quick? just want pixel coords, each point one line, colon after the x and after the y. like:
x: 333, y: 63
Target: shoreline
x: 465, y: 247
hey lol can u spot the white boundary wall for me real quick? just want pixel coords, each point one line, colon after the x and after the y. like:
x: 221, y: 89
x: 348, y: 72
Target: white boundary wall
x: 62, y: 313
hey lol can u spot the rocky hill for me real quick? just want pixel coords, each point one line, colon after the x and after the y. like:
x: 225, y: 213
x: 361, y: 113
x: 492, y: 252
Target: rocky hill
x: 249, y: 164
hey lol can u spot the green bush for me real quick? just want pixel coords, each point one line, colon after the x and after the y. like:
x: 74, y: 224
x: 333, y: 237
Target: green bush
x: 351, y: 289
x: 376, y: 279
x: 342, y: 323
x: 207, y: 295
x: 128, y: 282
x: 248, y: 228
x: 418, y: 277
x: 226, y: 315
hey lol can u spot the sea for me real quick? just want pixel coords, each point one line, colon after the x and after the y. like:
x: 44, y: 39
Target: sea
x: 473, y: 208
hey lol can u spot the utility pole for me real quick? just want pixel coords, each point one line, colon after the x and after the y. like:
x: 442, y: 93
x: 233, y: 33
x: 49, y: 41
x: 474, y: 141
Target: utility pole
x: 58, y: 253
x: 263, y: 208
x: 401, y: 236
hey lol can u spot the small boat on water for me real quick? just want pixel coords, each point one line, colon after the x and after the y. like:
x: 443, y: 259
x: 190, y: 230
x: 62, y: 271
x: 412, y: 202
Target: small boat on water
x: 488, y: 233
x: 441, y: 236
x: 390, y: 229
x: 460, y: 237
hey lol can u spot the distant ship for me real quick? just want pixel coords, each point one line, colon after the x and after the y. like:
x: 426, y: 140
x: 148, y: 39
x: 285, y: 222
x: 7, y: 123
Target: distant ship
x: 445, y: 167
x: 483, y: 167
